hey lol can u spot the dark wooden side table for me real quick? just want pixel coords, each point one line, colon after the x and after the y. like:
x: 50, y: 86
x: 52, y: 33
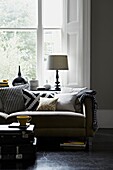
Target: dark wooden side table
x: 17, y: 142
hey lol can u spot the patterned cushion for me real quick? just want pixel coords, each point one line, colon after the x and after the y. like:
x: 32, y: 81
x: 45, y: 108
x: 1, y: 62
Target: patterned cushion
x: 31, y: 99
x: 12, y: 99
x: 47, y: 104
x: 47, y: 95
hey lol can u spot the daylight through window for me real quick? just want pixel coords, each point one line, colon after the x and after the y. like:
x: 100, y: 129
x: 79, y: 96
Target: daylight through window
x: 19, y: 30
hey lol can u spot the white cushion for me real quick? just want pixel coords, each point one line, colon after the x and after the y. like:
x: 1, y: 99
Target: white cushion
x: 66, y: 101
x: 72, y: 90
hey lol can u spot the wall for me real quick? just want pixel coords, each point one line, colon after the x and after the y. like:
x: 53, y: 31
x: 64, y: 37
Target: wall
x: 102, y: 58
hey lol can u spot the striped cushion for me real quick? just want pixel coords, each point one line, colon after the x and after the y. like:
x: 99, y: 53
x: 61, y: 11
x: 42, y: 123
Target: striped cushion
x: 12, y: 98
x: 31, y: 99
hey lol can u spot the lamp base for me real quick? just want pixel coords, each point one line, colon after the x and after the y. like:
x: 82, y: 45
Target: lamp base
x: 57, y: 86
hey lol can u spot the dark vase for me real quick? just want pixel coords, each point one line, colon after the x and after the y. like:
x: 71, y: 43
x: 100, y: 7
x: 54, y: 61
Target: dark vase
x: 19, y: 80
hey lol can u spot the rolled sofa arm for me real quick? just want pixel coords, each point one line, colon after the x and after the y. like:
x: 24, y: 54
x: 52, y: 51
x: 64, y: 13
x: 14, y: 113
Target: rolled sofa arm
x: 89, y: 109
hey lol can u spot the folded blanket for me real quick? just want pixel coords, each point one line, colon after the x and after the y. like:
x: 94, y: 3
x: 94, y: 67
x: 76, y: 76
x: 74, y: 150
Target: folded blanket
x: 90, y: 93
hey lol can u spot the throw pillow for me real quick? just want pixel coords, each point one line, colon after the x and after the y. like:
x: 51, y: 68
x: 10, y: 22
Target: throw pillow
x: 1, y: 105
x: 47, y: 104
x: 31, y: 99
x: 47, y: 95
x: 72, y: 89
x: 66, y: 101
x: 12, y: 99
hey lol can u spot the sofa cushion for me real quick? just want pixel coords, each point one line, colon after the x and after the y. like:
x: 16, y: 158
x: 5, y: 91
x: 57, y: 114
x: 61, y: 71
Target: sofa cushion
x: 1, y: 105
x: 31, y: 99
x: 47, y: 104
x: 47, y: 94
x: 59, y: 119
x: 66, y: 101
x: 12, y: 99
x: 53, y: 119
x: 72, y: 89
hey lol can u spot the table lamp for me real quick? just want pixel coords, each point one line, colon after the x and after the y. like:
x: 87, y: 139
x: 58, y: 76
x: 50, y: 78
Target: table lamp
x: 57, y: 62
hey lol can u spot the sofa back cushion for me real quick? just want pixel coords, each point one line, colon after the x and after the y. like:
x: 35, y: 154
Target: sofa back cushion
x: 32, y: 99
x: 66, y: 101
x: 1, y: 105
x: 46, y: 104
x: 12, y: 99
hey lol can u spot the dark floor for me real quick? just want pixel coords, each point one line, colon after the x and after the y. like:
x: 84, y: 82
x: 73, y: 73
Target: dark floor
x: 100, y: 156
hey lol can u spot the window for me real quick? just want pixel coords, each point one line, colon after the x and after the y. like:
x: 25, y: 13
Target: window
x: 20, y: 25
x: 18, y: 38
x: 30, y: 30
x: 52, y: 17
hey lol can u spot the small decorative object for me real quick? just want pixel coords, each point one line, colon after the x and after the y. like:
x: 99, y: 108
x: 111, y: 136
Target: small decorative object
x: 47, y: 86
x: 19, y: 80
x: 4, y: 83
x: 33, y: 84
x: 57, y: 62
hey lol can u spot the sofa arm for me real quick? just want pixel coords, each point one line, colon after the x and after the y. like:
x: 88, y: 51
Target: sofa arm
x: 89, y: 108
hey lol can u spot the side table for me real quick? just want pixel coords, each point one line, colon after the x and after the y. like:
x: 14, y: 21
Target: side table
x: 17, y: 143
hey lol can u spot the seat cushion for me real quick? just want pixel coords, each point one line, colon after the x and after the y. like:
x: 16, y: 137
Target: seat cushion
x: 54, y: 119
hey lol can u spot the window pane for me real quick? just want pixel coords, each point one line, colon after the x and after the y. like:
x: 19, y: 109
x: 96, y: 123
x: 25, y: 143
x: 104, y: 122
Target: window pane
x: 52, y: 13
x: 17, y: 48
x: 18, y: 13
x: 52, y: 44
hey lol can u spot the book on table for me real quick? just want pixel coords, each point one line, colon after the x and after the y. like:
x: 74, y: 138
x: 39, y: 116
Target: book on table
x: 73, y: 144
x: 4, y: 84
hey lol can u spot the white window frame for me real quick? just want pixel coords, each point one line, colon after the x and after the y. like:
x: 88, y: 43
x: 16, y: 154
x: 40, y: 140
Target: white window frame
x: 82, y: 65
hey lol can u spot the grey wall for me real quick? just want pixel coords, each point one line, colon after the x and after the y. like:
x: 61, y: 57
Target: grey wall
x: 102, y: 52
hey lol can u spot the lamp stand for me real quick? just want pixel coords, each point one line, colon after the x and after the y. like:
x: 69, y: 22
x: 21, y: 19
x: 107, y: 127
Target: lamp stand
x: 57, y: 86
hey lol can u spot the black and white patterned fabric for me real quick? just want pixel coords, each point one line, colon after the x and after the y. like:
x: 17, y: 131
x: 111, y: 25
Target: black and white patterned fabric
x: 12, y: 99
x: 31, y: 99
x: 47, y: 95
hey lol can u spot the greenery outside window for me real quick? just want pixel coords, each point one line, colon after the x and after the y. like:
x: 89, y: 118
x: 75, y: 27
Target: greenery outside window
x: 30, y: 30
x: 19, y: 42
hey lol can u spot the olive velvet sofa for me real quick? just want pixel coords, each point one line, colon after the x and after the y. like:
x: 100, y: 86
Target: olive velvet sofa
x: 73, y: 113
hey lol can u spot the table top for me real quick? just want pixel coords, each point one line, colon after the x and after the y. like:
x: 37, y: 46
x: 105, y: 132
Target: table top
x: 14, y: 127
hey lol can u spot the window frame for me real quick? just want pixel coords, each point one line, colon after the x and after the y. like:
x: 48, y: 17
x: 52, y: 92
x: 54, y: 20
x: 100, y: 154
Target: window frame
x: 81, y: 72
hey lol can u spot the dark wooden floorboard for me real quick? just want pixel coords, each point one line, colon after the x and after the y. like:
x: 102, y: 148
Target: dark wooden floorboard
x: 99, y: 157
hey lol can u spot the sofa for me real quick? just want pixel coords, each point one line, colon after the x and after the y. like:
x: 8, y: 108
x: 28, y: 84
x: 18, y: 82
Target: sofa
x: 70, y: 112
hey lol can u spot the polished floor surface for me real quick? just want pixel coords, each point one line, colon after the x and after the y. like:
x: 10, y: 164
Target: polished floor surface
x: 99, y: 157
